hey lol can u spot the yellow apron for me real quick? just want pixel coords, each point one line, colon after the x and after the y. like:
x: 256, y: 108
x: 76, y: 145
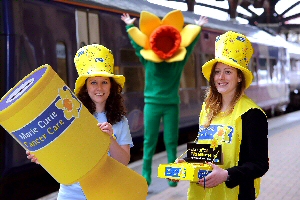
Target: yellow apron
x: 225, y: 130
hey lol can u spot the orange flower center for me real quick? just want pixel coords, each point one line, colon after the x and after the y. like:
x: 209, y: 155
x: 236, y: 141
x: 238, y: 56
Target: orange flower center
x: 221, y: 132
x: 165, y: 41
x: 68, y: 104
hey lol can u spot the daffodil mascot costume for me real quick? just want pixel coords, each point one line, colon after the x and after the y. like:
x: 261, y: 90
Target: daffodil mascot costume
x: 241, y: 132
x: 163, y: 47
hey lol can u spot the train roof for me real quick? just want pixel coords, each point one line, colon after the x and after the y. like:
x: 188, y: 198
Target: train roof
x: 135, y: 7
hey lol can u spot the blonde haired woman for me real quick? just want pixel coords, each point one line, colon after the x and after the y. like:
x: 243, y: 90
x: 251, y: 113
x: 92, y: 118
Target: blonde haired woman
x: 231, y: 120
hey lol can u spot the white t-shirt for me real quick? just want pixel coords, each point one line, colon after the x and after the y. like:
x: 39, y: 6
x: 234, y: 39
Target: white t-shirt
x: 122, y: 133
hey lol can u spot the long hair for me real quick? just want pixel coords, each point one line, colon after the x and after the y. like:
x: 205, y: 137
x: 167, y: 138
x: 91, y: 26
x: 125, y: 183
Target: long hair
x: 114, y: 107
x: 213, y: 99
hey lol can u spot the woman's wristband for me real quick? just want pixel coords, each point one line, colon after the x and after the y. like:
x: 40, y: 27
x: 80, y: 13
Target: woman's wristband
x: 113, y: 136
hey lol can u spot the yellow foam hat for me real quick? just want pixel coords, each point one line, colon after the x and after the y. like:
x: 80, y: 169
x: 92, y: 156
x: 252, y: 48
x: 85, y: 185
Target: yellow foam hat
x: 95, y: 60
x: 233, y: 49
x: 164, y: 39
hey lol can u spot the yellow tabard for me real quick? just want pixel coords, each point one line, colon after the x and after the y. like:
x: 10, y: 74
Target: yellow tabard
x: 225, y: 130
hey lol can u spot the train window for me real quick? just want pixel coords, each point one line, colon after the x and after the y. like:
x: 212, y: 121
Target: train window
x: 253, y: 68
x: 294, y: 71
x: 94, y: 32
x: 135, y: 79
x: 128, y: 56
x: 273, y: 51
x: 62, y: 61
x: 188, y: 78
x: 117, y: 70
x: 27, y: 62
x: 82, y: 28
x: 283, y: 69
x: 295, y: 65
x: 206, y: 36
x: 204, y: 59
x: 262, y: 71
x: 274, y: 70
x: 88, y: 28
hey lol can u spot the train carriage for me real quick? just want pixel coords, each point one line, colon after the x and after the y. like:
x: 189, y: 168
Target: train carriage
x: 34, y: 33
x: 294, y: 77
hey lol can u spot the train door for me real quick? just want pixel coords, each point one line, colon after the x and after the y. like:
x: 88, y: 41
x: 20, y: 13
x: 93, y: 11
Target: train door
x: 133, y: 91
x: 87, y: 28
x: 293, y: 76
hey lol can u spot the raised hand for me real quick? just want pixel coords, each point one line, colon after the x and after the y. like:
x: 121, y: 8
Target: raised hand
x: 202, y: 20
x: 176, y: 161
x: 126, y: 18
x: 106, y: 127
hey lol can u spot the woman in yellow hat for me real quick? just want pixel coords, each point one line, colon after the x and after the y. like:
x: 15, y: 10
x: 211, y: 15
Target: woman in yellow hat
x: 100, y: 91
x: 232, y: 121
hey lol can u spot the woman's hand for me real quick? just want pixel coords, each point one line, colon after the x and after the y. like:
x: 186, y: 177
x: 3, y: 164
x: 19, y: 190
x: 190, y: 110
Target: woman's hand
x: 180, y: 160
x: 106, y: 128
x: 202, y: 20
x: 216, y: 177
x: 126, y: 18
x: 32, y: 157
x: 176, y: 161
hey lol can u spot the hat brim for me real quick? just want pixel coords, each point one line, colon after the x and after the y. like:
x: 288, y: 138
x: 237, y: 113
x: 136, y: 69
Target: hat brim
x: 120, y: 79
x: 207, y: 67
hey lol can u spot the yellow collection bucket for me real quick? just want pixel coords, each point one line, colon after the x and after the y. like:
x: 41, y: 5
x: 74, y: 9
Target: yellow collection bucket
x: 45, y: 117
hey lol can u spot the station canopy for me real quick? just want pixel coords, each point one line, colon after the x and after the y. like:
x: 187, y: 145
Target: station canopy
x: 280, y: 16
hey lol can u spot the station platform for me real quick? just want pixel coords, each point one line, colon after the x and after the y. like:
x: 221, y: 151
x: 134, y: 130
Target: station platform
x: 281, y: 182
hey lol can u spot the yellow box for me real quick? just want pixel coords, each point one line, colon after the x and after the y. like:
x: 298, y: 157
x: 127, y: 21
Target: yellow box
x: 184, y: 171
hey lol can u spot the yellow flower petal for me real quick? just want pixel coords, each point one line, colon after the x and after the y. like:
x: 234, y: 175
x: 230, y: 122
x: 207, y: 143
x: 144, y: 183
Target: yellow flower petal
x: 149, y: 22
x: 76, y: 104
x: 139, y: 37
x: 61, y: 92
x: 59, y: 104
x: 178, y: 56
x: 174, y: 18
x: 68, y: 95
x: 151, y: 56
x: 68, y: 115
x: 75, y: 113
x: 188, y: 34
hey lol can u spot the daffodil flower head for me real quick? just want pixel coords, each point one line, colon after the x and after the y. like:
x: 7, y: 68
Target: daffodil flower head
x: 166, y: 39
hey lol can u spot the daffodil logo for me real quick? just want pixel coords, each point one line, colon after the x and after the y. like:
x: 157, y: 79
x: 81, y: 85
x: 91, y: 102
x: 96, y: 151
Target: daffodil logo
x: 68, y: 104
x: 166, y: 39
x: 216, y: 133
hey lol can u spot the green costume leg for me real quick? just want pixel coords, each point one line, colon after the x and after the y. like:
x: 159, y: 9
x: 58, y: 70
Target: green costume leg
x: 152, y: 116
x: 171, y: 124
